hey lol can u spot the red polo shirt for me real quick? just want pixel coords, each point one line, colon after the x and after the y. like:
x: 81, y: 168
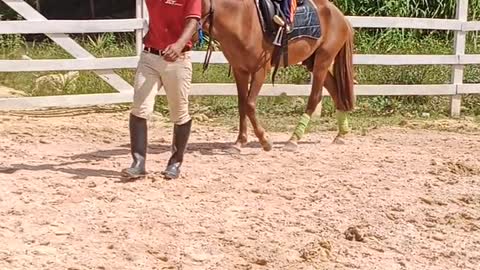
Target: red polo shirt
x: 167, y: 21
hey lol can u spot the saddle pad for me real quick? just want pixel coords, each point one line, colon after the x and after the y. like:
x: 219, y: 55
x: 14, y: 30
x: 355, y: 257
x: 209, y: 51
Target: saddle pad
x: 306, y: 23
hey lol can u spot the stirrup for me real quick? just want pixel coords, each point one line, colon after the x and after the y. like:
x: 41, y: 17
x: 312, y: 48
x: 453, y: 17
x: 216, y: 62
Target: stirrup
x: 278, y: 38
x: 278, y: 20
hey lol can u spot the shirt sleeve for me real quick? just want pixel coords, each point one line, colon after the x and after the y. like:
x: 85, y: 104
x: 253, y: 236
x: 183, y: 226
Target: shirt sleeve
x: 193, y: 9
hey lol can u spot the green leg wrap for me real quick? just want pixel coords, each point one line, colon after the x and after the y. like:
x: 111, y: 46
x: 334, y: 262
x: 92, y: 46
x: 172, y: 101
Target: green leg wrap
x: 342, y: 120
x: 301, y: 126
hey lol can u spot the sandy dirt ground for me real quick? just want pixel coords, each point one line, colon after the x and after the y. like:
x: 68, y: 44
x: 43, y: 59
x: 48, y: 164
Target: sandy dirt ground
x: 7, y: 92
x: 393, y: 199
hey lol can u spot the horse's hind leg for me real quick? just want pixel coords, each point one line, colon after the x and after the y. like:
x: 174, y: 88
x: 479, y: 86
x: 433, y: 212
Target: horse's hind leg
x: 241, y: 80
x: 256, y: 84
x: 342, y: 117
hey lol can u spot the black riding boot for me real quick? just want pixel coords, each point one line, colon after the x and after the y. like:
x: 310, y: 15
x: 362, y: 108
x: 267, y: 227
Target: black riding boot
x: 138, y: 146
x: 181, y: 133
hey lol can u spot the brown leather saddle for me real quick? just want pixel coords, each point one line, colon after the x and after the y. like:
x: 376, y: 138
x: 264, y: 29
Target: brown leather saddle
x: 306, y: 24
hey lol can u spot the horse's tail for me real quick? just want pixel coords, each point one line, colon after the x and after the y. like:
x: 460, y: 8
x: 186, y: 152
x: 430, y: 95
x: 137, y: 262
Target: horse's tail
x: 343, y: 73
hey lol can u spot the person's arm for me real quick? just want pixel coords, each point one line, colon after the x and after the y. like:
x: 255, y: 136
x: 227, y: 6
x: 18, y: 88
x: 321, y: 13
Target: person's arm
x: 173, y: 51
x: 192, y: 13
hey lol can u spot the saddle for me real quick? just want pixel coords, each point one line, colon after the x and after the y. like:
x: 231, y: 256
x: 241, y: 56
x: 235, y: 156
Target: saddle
x: 267, y: 9
x: 306, y: 24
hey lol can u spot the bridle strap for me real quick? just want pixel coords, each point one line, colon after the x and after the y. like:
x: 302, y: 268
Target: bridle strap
x: 208, y: 55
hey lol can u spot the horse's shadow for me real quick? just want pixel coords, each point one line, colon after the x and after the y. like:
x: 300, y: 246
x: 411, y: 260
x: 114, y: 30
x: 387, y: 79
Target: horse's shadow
x: 204, y: 148
x: 207, y: 149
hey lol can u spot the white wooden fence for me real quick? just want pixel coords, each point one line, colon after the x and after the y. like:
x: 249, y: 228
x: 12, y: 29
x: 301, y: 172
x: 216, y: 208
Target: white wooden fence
x: 55, y: 29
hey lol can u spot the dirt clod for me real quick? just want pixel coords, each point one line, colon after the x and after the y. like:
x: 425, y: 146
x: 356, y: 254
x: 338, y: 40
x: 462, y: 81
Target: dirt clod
x: 353, y: 233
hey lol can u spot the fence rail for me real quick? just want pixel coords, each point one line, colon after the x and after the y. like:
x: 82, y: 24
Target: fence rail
x: 56, y: 29
x: 218, y: 58
x: 70, y: 26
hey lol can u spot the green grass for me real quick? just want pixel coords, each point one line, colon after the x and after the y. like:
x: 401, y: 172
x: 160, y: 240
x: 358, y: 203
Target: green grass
x: 360, y: 124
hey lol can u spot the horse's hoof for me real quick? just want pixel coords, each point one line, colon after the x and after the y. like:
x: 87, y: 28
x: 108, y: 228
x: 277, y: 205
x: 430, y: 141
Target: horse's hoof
x: 340, y: 140
x: 290, y: 146
x: 267, y: 145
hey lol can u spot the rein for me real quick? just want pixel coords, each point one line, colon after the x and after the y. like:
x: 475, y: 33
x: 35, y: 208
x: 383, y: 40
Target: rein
x: 209, y: 17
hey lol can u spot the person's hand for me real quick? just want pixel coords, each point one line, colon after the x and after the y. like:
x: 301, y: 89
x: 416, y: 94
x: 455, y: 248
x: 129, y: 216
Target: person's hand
x: 172, y: 52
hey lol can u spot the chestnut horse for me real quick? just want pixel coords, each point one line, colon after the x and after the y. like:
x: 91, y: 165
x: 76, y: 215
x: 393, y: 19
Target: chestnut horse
x: 235, y: 25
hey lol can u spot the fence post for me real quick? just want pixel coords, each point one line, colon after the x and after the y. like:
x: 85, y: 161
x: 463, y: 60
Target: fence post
x: 457, y: 70
x: 139, y: 32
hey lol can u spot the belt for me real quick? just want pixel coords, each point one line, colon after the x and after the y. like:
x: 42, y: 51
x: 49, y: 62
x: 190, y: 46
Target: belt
x: 153, y: 50
x: 160, y: 52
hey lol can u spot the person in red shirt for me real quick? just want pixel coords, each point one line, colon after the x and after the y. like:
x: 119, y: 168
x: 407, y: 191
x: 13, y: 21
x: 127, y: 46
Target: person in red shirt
x: 165, y: 62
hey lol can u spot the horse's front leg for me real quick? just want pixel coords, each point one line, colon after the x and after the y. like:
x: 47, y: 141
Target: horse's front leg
x: 313, y: 101
x: 258, y: 79
x: 319, y: 74
x: 241, y: 80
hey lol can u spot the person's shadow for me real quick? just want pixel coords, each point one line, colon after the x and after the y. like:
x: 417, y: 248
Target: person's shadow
x: 88, y: 158
x: 79, y: 173
x: 204, y: 148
